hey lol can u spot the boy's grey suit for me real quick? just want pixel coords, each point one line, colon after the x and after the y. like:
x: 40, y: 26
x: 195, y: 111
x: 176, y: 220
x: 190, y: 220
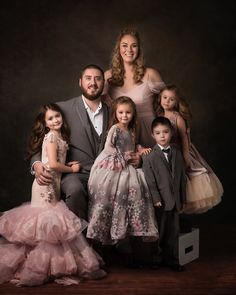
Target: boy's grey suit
x: 85, y: 145
x: 167, y: 186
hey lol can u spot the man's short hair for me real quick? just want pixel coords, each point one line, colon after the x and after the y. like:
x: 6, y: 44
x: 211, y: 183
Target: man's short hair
x: 92, y: 66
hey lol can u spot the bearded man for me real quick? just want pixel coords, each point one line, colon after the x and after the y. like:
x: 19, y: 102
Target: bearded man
x: 87, y: 117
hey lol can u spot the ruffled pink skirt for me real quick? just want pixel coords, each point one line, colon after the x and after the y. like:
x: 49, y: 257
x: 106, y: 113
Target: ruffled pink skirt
x: 39, y: 244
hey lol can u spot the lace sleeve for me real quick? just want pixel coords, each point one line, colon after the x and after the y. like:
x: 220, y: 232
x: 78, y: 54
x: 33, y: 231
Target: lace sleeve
x: 51, y: 137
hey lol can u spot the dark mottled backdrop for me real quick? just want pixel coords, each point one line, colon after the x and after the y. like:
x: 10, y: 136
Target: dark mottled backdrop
x: 44, y: 45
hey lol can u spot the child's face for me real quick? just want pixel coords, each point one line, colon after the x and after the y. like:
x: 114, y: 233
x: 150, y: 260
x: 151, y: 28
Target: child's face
x: 124, y: 114
x: 168, y: 100
x: 53, y: 120
x: 162, y: 135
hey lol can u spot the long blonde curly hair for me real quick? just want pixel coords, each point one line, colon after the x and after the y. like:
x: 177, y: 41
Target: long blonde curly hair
x: 117, y: 64
x: 181, y: 106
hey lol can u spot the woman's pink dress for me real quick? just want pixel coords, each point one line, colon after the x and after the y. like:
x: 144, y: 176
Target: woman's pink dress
x: 143, y: 95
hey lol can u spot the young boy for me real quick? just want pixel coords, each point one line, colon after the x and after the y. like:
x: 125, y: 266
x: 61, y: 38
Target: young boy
x: 165, y: 174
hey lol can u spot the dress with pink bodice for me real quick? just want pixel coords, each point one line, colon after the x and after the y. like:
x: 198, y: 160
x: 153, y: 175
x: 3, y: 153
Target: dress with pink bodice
x: 43, y: 240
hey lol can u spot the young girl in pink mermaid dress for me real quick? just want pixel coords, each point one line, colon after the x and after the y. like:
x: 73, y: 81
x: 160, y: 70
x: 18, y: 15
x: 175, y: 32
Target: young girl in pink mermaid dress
x: 204, y: 190
x: 43, y: 240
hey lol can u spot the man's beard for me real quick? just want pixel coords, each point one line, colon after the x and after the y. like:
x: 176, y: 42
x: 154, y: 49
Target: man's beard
x: 91, y: 96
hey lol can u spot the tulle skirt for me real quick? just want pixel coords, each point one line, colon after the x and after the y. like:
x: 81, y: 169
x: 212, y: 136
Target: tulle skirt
x: 204, y: 190
x: 40, y: 244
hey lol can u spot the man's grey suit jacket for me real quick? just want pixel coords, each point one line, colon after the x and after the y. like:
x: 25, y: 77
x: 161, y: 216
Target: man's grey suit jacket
x: 82, y: 147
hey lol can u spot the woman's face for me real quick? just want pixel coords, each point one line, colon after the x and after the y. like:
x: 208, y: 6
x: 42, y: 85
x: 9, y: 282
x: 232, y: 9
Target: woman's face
x: 129, y: 48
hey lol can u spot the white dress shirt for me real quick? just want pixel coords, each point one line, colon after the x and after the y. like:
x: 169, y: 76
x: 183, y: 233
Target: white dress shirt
x: 164, y: 148
x: 95, y: 117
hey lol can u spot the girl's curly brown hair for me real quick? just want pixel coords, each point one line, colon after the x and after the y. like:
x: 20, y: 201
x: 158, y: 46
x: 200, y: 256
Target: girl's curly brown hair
x: 40, y: 129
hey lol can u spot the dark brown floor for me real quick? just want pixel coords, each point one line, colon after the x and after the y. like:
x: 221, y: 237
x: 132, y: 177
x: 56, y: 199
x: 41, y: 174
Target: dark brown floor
x: 213, y: 273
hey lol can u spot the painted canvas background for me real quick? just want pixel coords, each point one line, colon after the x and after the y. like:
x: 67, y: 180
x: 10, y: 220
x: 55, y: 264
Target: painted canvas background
x: 44, y: 45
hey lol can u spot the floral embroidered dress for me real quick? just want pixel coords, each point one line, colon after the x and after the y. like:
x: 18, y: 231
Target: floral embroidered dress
x: 204, y: 190
x: 120, y: 204
x: 43, y: 240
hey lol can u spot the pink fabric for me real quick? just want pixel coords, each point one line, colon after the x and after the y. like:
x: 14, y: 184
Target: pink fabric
x: 204, y: 190
x: 43, y: 240
x: 143, y: 95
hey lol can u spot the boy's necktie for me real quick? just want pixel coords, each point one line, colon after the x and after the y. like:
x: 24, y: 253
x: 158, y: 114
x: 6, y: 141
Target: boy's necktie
x: 168, y: 152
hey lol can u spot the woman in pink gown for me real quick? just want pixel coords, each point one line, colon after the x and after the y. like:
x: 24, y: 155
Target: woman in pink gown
x: 129, y: 76
x: 43, y: 240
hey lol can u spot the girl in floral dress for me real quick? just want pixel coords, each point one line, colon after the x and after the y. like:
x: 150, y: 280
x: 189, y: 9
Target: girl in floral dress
x: 120, y: 203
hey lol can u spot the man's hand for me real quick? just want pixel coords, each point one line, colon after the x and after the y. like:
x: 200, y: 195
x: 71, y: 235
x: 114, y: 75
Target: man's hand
x: 42, y: 175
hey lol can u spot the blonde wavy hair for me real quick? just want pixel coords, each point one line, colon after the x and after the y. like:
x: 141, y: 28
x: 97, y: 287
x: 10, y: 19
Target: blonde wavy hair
x: 117, y: 64
x: 181, y: 106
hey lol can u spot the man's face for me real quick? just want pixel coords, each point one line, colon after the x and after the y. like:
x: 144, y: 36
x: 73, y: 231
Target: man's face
x: 91, y: 84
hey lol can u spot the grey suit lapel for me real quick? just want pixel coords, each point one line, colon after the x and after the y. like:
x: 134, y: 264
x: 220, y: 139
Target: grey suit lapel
x: 161, y: 154
x: 173, y: 158
x: 82, y: 113
x: 104, y: 127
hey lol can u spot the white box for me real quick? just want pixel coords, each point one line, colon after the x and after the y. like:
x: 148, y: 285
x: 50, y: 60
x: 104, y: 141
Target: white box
x: 188, y: 246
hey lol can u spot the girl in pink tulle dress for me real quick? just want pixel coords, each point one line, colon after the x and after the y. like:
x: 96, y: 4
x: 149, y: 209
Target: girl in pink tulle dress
x: 204, y: 189
x: 43, y: 241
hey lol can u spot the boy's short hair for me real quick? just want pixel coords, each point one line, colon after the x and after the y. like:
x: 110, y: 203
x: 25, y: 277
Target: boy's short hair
x: 161, y: 121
